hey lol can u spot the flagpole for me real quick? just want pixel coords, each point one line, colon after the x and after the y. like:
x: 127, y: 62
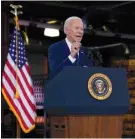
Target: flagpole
x: 16, y: 13
x: 18, y: 130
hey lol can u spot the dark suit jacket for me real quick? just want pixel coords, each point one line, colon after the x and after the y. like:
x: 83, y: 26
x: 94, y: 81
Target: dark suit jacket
x: 58, y: 58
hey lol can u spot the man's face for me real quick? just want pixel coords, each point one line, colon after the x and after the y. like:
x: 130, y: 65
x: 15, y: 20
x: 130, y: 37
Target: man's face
x: 75, y: 30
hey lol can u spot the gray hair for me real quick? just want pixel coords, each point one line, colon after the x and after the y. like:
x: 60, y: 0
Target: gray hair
x: 68, y: 20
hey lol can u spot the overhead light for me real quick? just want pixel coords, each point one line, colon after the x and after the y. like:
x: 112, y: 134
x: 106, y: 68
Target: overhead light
x: 50, y: 32
x: 51, y: 22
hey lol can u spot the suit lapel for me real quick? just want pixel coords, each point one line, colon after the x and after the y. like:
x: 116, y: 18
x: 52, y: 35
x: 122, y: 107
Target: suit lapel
x: 65, y: 49
x: 81, y: 54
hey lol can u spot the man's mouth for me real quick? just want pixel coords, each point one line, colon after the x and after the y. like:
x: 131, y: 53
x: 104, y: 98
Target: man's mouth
x: 78, y: 36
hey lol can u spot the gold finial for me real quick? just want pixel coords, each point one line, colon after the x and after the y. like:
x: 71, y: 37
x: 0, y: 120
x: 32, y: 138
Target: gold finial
x: 15, y: 8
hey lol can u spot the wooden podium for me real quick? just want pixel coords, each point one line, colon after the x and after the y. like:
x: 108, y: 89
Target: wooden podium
x: 86, y: 126
x: 74, y: 113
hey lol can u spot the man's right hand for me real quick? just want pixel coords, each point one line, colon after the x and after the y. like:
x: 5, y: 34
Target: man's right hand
x: 75, y: 47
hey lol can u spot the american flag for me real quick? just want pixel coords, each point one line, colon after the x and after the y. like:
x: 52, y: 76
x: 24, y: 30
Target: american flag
x: 16, y: 80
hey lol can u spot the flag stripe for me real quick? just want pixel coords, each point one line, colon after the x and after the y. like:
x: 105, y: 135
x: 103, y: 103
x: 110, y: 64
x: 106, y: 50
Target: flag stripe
x: 15, y: 107
x: 13, y: 78
x: 16, y: 111
x: 30, y: 108
x: 21, y: 80
x: 24, y: 75
x: 16, y: 102
x: 22, y: 100
x: 26, y: 70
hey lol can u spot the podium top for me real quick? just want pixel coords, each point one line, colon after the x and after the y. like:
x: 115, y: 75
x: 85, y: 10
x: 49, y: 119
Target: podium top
x: 69, y: 92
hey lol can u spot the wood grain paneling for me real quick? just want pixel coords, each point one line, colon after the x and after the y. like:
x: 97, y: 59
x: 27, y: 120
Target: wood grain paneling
x: 87, y: 126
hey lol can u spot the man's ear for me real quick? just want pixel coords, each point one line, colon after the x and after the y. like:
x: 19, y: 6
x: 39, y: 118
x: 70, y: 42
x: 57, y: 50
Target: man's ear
x: 66, y: 30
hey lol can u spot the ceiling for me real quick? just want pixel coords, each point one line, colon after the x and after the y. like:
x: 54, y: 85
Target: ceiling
x: 104, y: 19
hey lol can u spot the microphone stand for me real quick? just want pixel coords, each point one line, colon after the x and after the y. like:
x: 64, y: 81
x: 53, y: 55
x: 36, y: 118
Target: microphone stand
x: 97, y: 48
x: 110, y: 46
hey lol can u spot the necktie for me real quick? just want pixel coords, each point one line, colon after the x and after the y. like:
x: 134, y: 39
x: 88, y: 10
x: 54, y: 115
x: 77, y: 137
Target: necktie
x: 77, y: 59
x: 76, y: 56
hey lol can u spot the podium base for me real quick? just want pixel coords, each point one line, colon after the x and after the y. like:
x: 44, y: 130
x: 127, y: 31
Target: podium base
x: 86, y: 126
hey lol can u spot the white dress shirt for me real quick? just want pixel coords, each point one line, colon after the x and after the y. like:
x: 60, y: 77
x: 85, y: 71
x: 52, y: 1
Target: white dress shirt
x: 69, y: 46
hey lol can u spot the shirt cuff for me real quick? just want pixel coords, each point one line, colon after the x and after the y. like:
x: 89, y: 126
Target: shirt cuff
x: 71, y: 59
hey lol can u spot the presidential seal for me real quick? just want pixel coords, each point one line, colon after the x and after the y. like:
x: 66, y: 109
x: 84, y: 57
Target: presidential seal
x: 99, y: 86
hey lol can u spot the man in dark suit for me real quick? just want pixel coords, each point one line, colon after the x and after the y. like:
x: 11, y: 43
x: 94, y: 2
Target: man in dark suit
x: 68, y: 52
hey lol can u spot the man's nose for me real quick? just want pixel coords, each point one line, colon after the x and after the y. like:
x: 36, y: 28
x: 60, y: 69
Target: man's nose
x: 80, y: 31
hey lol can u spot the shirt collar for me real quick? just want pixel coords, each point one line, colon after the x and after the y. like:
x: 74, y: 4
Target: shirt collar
x: 68, y: 44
